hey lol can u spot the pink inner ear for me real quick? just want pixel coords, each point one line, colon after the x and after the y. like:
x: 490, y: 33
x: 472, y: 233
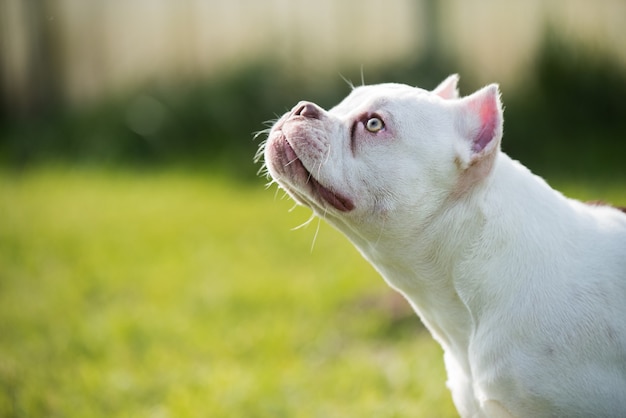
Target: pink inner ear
x: 447, y: 88
x: 488, y: 113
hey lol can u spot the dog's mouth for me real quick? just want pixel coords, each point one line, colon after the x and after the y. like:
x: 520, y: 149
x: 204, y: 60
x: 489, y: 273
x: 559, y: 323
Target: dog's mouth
x: 292, y: 163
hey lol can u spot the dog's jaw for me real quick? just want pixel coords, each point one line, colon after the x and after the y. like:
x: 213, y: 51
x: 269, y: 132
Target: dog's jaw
x: 287, y: 168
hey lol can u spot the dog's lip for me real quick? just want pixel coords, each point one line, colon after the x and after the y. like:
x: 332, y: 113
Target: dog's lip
x: 335, y: 199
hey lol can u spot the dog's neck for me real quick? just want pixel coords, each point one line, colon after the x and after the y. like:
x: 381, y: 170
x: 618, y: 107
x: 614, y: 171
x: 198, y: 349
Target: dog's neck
x: 429, y: 268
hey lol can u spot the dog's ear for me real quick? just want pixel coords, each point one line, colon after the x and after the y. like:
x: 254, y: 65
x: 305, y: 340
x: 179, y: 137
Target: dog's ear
x: 479, y: 122
x: 447, y: 89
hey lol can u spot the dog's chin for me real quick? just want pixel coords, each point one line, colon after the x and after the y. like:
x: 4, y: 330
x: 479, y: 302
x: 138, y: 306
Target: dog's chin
x: 289, y: 171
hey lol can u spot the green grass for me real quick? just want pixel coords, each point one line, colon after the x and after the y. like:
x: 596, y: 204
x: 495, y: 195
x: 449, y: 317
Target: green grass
x: 178, y: 294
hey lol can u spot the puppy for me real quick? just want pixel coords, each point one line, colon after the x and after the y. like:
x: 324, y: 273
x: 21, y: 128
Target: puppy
x: 524, y: 289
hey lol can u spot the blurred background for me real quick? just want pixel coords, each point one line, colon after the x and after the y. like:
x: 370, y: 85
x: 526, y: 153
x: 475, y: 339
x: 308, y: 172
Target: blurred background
x: 151, y: 82
x: 144, y: 269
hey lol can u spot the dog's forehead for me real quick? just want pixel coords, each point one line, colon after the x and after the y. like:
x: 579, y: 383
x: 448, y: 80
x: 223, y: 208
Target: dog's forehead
x: 377, y: 95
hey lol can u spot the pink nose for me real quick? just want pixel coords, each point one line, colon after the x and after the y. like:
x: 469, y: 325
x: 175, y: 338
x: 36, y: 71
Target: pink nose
x: 308, y: 110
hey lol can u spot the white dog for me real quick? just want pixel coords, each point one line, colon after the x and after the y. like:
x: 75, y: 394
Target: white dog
x: 524, y: 289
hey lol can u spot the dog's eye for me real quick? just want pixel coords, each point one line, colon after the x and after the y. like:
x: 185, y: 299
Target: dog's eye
x: 374, y: 125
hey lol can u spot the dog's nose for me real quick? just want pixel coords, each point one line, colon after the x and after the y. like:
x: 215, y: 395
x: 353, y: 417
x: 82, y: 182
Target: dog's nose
x: 308, y: 110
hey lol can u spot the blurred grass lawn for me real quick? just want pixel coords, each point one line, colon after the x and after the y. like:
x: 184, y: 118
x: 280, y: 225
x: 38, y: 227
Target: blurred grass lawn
x: 180, y: 294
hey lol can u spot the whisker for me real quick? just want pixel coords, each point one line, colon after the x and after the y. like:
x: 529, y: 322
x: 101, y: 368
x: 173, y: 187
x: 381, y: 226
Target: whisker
x: 270, y: 184
x: 319, y: 168
x: 317, y: 231
x: 347, y: 81
x: 306, y: 223
x: 264, y: 172
x: 265, y: 131
x: 276, y: 193
x: 327, y: 154
x: 258, y: 156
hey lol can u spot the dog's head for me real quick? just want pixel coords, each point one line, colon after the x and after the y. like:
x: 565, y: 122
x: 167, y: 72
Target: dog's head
x: 386, y: 148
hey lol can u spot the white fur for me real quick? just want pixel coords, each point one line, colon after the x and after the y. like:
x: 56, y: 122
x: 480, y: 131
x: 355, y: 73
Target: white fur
x: 524, y: 289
